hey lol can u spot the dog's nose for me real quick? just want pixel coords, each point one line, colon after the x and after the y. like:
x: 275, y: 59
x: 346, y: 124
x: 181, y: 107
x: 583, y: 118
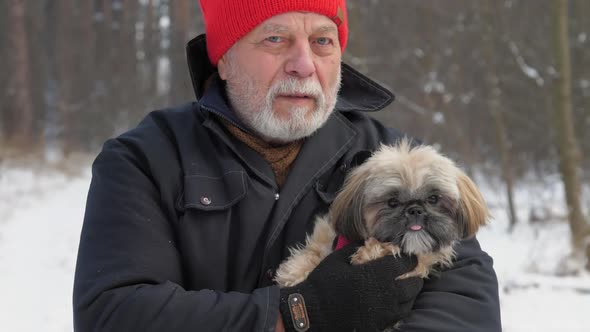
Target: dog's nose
x: 414, y: 211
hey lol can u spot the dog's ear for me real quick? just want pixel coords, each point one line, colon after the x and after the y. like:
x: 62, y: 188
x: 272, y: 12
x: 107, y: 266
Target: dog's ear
x: 473, y: 210
x: 346, y: 212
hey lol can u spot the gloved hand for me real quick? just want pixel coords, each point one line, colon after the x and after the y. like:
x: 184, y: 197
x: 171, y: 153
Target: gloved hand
x: 338, y: 296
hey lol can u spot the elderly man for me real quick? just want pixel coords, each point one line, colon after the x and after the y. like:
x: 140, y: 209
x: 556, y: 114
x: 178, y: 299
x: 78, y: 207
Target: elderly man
x: 189, y: 214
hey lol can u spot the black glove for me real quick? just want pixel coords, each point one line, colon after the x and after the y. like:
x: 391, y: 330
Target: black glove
x: 338, y: 296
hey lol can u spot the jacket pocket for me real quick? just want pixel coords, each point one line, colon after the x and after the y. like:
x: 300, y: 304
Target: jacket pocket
x: 209, y: 193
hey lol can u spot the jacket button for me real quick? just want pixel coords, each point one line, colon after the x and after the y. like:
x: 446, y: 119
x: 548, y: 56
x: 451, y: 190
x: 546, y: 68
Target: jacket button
x: 205, y: 200
x: 277, y: 196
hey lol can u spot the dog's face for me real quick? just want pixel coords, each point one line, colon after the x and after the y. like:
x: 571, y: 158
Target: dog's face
x: 413, y: 197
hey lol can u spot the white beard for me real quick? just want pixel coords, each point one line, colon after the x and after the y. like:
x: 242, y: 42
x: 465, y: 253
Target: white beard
x: 256, y: 110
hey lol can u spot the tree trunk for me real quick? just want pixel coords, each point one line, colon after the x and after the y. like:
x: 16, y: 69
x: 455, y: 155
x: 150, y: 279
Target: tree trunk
x: 180, y: 84
x: 357, y: 48
x: 66, y: 73
x: 495, y: 92
x: 51, y: 121
x: 151, y: 47
x: 20, y: 118
x: 569, y: 153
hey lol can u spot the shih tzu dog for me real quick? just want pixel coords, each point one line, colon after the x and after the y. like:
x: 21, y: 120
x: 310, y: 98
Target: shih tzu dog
x: 403, y: 198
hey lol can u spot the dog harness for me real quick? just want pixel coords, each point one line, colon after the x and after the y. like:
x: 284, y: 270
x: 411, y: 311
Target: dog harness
x: 341, y: 241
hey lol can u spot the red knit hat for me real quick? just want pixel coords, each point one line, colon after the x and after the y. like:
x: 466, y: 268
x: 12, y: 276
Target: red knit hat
x: 227, y: 21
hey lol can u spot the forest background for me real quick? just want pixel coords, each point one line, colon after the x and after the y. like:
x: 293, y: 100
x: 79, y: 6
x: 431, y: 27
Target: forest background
x: 501, y: 86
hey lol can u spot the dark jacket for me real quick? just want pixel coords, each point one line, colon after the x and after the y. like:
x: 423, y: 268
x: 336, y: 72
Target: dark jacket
x: 185, y: 225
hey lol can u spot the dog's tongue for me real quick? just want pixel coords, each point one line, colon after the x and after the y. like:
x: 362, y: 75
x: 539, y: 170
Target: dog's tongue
x: 415, y: 227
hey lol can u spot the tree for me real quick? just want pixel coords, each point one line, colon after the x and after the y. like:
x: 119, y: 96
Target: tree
x: 569, y: 152
x: 181, y: 20
x: 19, y: 125
x: 494, y: 106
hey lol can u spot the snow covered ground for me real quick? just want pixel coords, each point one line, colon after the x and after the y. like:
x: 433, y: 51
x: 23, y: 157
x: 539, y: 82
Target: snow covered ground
x: 41, y: 216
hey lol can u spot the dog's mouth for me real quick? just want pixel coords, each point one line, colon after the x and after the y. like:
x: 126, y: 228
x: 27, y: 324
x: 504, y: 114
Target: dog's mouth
x: 415, y: 224
x: 395, y: 235
x: 415, y: 227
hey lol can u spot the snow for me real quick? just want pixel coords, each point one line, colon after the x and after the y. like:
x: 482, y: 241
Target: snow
x: 434, y: 84
x: 529, y: 71
x: 529, y: 259
x: 41, y: 212
x: 438, y: 118
x: 40, y: 222
x: 164, y: 22
x: 532, y: 298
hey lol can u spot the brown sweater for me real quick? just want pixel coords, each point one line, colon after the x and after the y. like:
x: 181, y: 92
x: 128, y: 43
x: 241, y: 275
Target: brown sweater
x: 280, y: 157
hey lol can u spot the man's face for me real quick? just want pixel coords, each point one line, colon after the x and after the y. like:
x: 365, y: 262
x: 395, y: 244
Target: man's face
x: 283, y: 77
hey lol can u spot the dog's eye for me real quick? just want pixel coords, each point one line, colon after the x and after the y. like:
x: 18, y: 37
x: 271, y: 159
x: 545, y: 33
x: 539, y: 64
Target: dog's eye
x: 393, y: 203
x: 433, y: 199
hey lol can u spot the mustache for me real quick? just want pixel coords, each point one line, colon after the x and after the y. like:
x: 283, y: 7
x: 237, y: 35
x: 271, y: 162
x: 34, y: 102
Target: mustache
x: 293, y: 86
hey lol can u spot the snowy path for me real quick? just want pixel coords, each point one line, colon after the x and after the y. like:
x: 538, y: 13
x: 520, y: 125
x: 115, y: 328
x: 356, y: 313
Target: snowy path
x: 40, y: 220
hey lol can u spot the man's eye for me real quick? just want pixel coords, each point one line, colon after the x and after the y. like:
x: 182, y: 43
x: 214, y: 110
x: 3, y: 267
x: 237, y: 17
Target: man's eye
x: 324, y: 41
x: 274, y: 39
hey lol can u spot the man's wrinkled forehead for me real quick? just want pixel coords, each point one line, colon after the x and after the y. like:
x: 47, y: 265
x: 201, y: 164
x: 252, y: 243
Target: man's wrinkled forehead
x: 278, y: 25
x: 281, y: 28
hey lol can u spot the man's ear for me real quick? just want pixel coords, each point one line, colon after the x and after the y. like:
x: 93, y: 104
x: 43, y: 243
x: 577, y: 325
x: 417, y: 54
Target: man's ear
x: 222, y: 68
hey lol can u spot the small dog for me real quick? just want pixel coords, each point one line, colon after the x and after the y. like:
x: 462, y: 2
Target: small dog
x: 403, y: 198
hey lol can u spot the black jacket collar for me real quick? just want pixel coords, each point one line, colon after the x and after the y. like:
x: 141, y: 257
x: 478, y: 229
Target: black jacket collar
x: 358, y: 92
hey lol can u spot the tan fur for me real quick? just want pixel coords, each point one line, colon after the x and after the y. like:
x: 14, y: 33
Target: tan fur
x: 373, y: 249
x: 370, y: 216
x: 351, y: 189
x: 427, y: 261
x: 401, y: 165
x: 304, y: 259
x: 473, y: 207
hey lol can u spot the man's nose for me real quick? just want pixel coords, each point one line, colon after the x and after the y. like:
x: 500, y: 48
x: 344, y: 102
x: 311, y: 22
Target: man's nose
x: 300, y: 62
